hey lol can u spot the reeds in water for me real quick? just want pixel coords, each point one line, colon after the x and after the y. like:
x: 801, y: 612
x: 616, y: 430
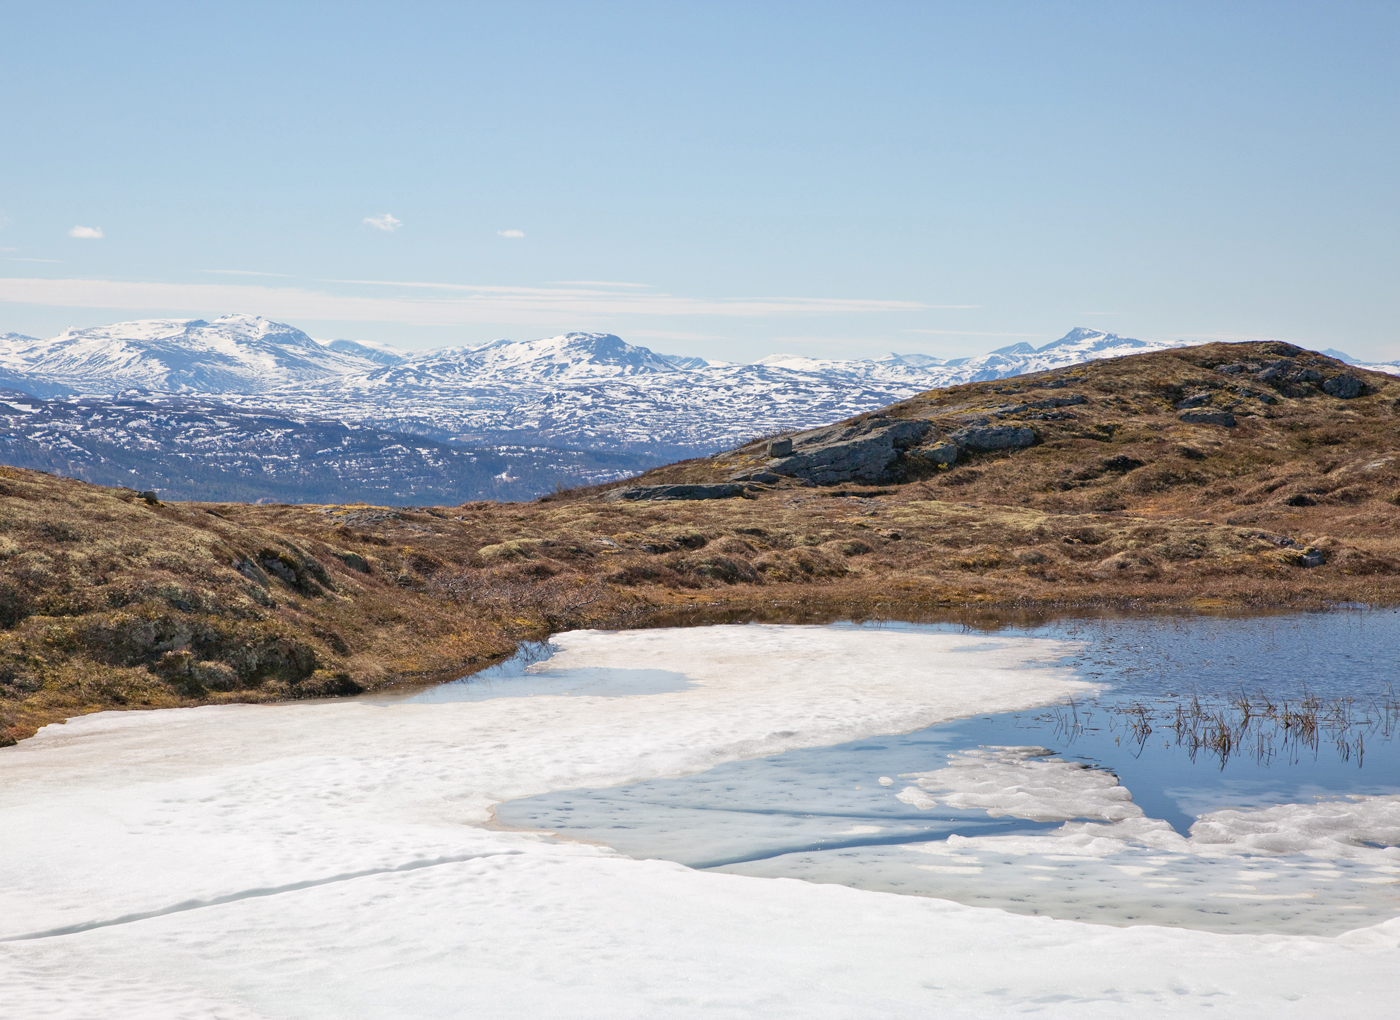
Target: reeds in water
x: 1266, y: 729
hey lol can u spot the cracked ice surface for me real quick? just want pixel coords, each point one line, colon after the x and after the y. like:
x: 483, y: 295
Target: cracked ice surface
x: 334, y: 860
x: 1314, y: 868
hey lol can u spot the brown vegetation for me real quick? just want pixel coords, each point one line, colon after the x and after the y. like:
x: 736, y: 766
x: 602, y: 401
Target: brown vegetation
x: 109, y: 599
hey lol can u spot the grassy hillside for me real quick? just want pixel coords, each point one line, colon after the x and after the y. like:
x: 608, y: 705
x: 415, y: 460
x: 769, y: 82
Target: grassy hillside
x: 1284, y: 494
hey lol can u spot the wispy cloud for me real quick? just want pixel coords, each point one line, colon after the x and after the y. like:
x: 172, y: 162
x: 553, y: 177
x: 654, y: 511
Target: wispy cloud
x: 456, y: 304
x: 965, y: 332
x: 511, y: 233
x: 245, y: 272
x: 600, y: 283
x: 387, y: 223
x: 656, y: 334
x: 87, y: 233
x: 18, y: 259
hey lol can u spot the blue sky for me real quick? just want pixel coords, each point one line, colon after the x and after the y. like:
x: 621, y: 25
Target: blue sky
x: 723, y: 179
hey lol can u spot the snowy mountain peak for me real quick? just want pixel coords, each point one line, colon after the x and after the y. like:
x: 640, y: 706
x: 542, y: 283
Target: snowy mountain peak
x: 1082, y: 338
x: 233, y: 353
x: 565, y: 357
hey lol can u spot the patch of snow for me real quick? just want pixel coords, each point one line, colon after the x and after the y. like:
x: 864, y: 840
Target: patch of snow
x: 1021, y: 782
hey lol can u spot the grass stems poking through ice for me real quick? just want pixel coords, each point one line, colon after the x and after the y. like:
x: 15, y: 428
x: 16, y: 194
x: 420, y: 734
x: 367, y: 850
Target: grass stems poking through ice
x: 1256, y: 726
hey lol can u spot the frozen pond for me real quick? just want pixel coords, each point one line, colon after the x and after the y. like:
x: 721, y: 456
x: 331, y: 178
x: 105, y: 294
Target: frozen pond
x: 352, y: 858
x: 1214, y: 784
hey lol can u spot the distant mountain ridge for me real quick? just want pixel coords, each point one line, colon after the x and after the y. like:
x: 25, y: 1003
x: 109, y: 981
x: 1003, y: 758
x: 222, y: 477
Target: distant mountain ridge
x: 577, y: 391
x: 235, y: 353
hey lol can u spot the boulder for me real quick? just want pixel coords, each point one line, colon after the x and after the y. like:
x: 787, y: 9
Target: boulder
x: 1343, y: 387
x: 943, y: 452
x: 1306, y: 557
x: 722, y: 490
x: 983, y: 438
x: 780, y: 447
x: 761, y: 477
x: 1207, y: 417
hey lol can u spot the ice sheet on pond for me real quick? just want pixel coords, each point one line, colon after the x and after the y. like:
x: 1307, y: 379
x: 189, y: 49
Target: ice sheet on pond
x: 986, y: 820
x: 1132, y: 886
x: 1330, y: 867
x: 791, y: 813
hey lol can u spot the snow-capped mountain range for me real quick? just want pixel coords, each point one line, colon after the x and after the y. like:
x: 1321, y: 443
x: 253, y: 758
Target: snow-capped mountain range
x: 578, y: 389
x: 588, y: 391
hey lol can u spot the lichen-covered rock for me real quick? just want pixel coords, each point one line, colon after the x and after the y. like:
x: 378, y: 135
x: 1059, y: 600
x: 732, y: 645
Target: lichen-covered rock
x: 1305, y: 557
x: 943, y: 453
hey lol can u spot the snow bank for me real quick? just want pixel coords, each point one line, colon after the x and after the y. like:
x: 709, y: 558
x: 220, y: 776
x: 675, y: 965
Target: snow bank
x: 1023, y: 782
x: 336, y: 860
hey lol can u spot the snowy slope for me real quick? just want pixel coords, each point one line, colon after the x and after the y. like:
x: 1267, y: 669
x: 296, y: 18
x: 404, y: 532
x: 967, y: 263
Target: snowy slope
x: 369, y: 350
x: 234, y: 353
x: 1076, y: 346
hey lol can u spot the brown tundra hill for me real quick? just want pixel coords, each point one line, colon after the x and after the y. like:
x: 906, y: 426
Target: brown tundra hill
x: 1228, y: 475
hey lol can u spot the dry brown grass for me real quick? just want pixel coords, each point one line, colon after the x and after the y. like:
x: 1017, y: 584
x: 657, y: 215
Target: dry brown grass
x: 108, y: 601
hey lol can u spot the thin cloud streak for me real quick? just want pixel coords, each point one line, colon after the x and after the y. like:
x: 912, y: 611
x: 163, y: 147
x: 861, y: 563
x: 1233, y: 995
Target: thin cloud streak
x: 245, y: 272
x: 601, y: 283
x: 18, y: 259
x: 523, y: 305
x: 964, y: 332
x: 87, y: 233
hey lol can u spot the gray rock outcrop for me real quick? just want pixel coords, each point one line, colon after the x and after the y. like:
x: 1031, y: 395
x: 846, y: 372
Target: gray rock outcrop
x: 864, y: 451
x: 878, y: 449
x: 721, y: 490
x: 983, y: 438
x: 1343, y: 387
x: 1207, y: 417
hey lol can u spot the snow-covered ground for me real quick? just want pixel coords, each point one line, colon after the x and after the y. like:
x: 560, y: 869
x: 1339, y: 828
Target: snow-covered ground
x: 337, y: 860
